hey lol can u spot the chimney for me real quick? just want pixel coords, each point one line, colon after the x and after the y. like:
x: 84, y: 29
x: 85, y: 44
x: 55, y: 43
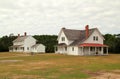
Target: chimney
x: 18, y: 35
x: 87, y: 31
x: 25, y: 34
x: 63, y: 28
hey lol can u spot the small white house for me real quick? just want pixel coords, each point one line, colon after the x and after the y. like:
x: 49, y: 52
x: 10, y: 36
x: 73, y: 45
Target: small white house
x: 26, y: 44
x: 81, y: 42
x: 38, y: 48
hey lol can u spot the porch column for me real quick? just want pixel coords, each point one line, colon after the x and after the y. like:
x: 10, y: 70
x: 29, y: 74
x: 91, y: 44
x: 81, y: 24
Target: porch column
x: 107, y: 50
x: 82, y: 51
x: 95, y: 50
x: 102, y: 51
x: 89, y: 50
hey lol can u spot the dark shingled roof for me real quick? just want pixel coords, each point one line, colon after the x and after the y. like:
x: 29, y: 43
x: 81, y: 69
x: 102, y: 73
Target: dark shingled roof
x: 15, y: 46
x: 78, y: 36
x: 62, y: 44
x: 35, y: 46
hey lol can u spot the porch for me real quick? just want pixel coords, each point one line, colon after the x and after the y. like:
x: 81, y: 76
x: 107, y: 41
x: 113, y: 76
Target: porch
x: 16, y: 48
x: 93, y: 49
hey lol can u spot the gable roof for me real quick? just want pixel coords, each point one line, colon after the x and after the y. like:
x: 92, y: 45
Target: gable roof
x: 36, y: 45
x: 21, y: 38
x: 77, y: 36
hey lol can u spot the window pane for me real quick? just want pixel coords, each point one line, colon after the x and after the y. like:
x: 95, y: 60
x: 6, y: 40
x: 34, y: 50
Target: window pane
x: 96, y: 38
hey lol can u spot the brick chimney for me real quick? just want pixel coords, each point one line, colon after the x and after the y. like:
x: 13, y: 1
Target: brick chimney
x: 25, y: 34
x: 87, y: 31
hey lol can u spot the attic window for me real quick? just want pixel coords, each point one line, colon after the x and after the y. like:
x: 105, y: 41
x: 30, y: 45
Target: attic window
x: 95, y: 38
x: 63, y: 38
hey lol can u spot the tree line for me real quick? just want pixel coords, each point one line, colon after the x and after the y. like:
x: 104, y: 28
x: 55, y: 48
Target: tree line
x: 48, y: 40
x: 113, y: 41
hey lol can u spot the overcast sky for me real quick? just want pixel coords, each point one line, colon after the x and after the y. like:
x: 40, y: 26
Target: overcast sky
x: 49, y: 16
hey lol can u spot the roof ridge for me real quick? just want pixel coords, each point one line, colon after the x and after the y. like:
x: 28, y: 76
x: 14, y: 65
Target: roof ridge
x: 79, y: 30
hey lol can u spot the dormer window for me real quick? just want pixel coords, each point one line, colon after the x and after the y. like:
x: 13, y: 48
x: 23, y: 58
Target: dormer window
x: 63, y: 38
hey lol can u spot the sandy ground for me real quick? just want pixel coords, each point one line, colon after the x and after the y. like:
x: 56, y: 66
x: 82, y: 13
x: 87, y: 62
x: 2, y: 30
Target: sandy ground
x: 108, y: 75
x: 9, y: 61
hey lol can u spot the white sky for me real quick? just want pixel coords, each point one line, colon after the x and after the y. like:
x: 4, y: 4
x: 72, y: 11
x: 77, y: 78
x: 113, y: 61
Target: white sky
x: 37, y: 17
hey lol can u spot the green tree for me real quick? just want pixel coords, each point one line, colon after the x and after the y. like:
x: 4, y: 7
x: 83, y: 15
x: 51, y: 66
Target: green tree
x: 48, y: 40
x: 113, y: 42
x: 5, y: 42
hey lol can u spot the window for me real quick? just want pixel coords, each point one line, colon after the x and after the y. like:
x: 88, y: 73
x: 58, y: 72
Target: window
x: 99, y: 48
x: 65, y: 48
x: 27, y: 48
x: 72, y: 48
x: 95, y: 38
x: 91, y: 48
x: 63, y: 38
x: 23, y: 48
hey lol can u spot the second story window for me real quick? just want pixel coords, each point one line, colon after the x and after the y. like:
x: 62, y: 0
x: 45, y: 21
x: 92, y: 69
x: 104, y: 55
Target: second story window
x: 63, y: 38
x: 95, y: 38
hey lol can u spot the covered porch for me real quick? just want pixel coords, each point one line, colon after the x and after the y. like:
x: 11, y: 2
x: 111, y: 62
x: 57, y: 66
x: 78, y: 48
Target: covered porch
x: 16, y: 48
x: 93, y: 49
x: 61, y: 48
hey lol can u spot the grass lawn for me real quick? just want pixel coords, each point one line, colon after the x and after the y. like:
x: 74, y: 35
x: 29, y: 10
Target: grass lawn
x: 54, y: 66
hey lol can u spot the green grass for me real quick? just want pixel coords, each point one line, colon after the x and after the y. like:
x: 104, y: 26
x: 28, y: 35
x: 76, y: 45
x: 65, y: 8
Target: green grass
x: 54, y: 66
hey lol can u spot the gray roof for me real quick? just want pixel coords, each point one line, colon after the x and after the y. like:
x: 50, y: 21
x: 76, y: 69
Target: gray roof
x: 36, y: 45
x: 15, y: 46
x: 78, y: 36
x: 20, y: 38
x: 62, y: 44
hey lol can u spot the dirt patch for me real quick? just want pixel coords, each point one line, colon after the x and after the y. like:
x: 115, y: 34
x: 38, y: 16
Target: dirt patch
x: 25, y: 77
x: 40, y: 63
x: 107, y: 75
x: 10, y: 61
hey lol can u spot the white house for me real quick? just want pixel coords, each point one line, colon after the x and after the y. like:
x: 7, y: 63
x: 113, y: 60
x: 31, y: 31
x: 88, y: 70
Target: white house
x: 38, y: 48
x: 26, y: 44
x: 81, y: 42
